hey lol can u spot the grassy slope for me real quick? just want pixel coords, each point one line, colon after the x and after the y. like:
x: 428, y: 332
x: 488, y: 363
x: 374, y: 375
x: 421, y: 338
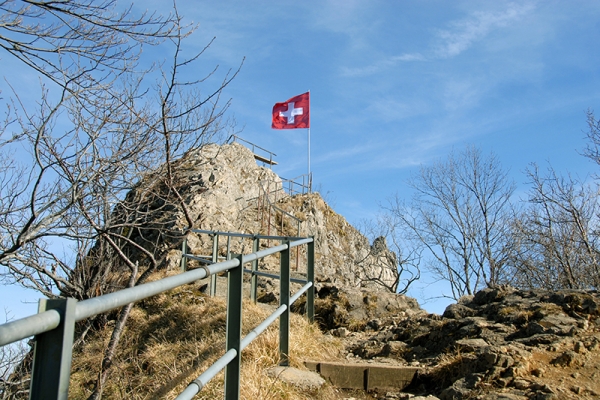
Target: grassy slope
x: 173, y: 337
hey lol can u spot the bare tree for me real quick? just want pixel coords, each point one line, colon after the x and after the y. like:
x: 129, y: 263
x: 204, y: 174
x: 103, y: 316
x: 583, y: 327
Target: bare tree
x: 86, y: 172
x: 394, y: 269
x: 12, y: 384
x: 592, y: 150
x: 86, y: 149
x: 79, y: 136
x: 80, y: 45
x: 555, y: 238
x: 459, y: 212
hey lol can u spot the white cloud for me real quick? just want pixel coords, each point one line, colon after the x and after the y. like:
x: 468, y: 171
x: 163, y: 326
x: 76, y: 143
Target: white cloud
x: 408, y: 57
x: 381, y: 65
x: 461, y: 94
x: 459, y: 35
x: 346, y: 17
x: 463, y: 33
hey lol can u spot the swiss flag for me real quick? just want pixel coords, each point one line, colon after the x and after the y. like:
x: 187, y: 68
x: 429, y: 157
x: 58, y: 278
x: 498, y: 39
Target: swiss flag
x: 292, y: 114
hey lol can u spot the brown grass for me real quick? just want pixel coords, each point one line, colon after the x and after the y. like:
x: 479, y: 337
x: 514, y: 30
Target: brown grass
x: 515, y: 314
x: 450, y: 367
x: 170, y: 339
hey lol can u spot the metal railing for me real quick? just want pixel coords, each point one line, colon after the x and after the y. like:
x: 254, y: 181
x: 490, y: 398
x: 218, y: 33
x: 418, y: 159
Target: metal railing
x: 267, y: 160
x: 265, y: 207
x: 299, y: 185
x: 54, y: 325
x: 214, y: 257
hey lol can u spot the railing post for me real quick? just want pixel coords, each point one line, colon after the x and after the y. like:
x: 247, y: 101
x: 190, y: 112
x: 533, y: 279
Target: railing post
x: 228, y: 249
x: 184, y: 251
x: 215, y: 259
x: 284, y: 298
x: 262, y: 208
x: 53, y: 351
x: 259, y: 205
x: 269, y: 204
x: 297, y: 248
x: 269, y: 223
x: 254, y: 278
x: 234, y: 329
x: 310, y: 276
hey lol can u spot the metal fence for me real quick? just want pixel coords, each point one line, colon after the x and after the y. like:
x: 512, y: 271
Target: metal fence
x: 299, y: 185
x: 268, y: 159
x: 54, y: 325
x: 266, y: 209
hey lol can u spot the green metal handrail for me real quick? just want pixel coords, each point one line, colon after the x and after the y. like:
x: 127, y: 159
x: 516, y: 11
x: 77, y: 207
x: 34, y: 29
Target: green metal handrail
x: 54, y: 324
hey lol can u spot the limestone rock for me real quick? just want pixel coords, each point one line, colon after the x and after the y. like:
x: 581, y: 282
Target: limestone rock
x: 304, y: 380
x: 225, y: 190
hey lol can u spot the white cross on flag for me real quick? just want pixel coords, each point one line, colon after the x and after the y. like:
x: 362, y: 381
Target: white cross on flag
x: 292, y: 114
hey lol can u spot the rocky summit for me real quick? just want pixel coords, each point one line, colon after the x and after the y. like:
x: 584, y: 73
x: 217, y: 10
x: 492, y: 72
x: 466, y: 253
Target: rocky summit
x: 225, y: 190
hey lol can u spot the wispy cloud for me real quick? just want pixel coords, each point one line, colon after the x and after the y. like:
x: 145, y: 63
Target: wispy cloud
x: 380, y: 65
x: 406, y: 150
x: 463, y: 33
x: 348, y: 18
x: 457, y: 37
x: 461, y: 94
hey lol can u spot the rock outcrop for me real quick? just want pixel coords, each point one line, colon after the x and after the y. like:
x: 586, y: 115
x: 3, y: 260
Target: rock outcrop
x: 502, y: 343
x: 225, y: 190
x: 344, y: 256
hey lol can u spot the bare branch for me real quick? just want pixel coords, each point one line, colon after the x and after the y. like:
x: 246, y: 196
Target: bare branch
x: 555, y: 236
x: 459, y: 215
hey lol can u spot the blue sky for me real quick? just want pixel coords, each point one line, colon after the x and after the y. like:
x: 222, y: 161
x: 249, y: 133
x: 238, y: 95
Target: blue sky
x: 399, y: 84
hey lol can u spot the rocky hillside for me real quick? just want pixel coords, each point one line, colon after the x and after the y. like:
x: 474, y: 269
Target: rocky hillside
x: 502, y: 343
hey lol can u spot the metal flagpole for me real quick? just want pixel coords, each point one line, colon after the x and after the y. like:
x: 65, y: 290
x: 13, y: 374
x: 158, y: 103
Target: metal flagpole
x: 309, y: 178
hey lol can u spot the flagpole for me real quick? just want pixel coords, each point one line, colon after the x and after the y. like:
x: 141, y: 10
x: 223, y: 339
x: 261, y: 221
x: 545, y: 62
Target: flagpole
x: 309, y: 178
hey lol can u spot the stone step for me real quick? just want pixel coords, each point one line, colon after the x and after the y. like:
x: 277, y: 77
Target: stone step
x: 367, y: 377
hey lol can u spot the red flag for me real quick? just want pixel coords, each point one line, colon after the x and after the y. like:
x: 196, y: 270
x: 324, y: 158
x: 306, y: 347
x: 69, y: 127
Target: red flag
x: 292, y: 114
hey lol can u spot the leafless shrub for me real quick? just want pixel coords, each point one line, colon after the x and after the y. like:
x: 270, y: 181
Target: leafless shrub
x: 105, y: 125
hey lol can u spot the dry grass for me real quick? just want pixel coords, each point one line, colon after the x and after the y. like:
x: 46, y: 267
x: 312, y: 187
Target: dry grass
x: 450, y: 367
x: 516, y: 315
x: 170, y: 339
x: 543, y: 309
